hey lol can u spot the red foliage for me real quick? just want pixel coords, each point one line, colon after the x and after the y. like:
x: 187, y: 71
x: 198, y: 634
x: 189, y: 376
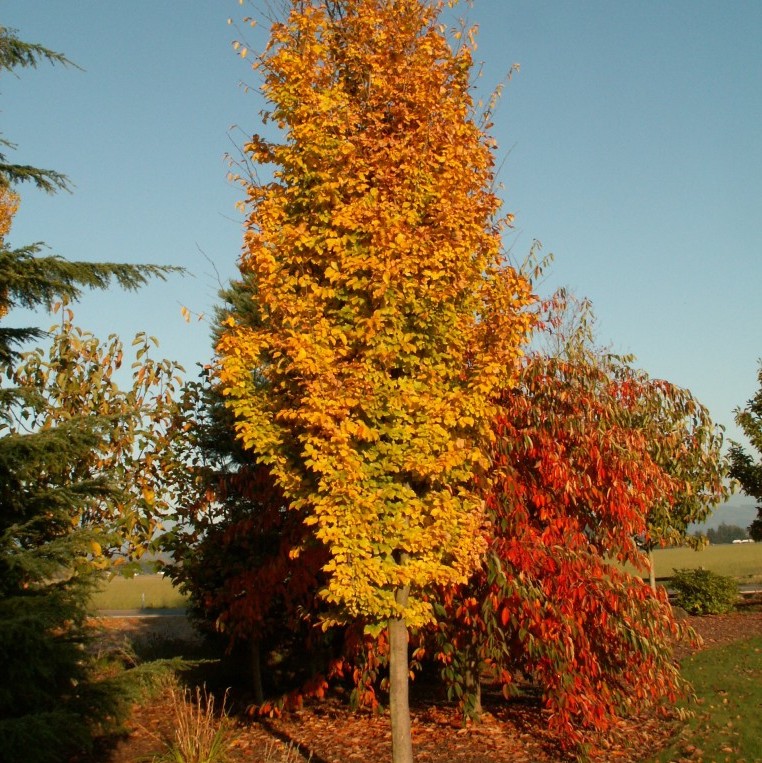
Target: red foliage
x: 571, y: 489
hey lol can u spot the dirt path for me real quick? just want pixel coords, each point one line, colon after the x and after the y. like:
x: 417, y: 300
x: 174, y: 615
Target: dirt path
x: 137, y: 625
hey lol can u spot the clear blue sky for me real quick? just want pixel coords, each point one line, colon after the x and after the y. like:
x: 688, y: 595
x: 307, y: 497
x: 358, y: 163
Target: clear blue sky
x: 631, y: 140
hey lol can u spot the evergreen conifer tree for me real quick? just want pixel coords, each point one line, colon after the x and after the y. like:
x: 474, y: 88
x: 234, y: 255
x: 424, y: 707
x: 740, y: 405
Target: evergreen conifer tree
x: 67, y: 442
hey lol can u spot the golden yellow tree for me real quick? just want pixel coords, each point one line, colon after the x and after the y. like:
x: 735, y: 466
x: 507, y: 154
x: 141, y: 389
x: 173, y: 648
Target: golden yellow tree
x: 385, y: 319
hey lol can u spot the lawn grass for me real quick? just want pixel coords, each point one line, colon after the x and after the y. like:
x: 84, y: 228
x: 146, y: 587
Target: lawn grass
x: 139, y: 592
x: 740, y: 561
x: 727, y: 726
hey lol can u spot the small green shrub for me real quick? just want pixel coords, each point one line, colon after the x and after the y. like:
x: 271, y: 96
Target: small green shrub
x: 703, y: 592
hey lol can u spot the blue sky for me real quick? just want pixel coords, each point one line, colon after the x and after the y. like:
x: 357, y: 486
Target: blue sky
x: 630, y: 145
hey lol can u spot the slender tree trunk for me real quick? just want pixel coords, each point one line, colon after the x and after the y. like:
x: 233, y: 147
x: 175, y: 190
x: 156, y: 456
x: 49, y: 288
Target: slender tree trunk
x: 399, y: 667
x: 651, y: 569
x: 256, y: 673
x: 474, y: 686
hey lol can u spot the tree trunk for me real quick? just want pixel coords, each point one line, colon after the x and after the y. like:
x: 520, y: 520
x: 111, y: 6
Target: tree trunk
x: 256, y: 673
x: 651, y: 570
x: 474, y: 687
x: 399, y: 667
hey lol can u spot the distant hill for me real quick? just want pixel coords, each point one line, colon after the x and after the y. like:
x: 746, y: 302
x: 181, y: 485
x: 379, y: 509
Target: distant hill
x: 738, y: 510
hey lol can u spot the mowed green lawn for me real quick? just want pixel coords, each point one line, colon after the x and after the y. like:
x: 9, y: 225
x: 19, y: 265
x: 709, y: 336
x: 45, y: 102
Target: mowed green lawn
x: 727, y: 721
x: 742, y: 561
x: 139, y: 592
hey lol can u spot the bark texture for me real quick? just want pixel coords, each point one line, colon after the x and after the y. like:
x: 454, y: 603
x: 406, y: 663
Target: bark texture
x: 402, y: 743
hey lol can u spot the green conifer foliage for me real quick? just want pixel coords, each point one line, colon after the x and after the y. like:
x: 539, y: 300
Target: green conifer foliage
x: 78, y: 474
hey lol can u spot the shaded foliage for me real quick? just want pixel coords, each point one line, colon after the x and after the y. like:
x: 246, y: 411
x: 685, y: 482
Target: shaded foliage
x: 80, y: 492
x: 234, y: 545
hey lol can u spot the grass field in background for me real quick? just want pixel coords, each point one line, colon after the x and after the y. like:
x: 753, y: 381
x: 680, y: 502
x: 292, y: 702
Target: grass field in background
x: 727, y: 725
x: 742, y: 561
x: 139, y: 592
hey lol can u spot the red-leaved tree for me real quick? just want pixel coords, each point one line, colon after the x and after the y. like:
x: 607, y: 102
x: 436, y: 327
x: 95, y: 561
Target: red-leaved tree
x: 577, y: 475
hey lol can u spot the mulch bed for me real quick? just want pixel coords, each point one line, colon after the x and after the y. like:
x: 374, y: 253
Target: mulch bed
x: 718, y: 630
x: 330, y: 733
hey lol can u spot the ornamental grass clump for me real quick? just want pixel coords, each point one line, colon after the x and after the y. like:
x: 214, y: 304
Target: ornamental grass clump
x: 201, y: 734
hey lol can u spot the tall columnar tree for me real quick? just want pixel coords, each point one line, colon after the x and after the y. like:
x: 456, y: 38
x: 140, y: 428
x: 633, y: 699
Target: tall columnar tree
x: 742, y: 465
x: 78, y: 476
x: 387, y: 319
